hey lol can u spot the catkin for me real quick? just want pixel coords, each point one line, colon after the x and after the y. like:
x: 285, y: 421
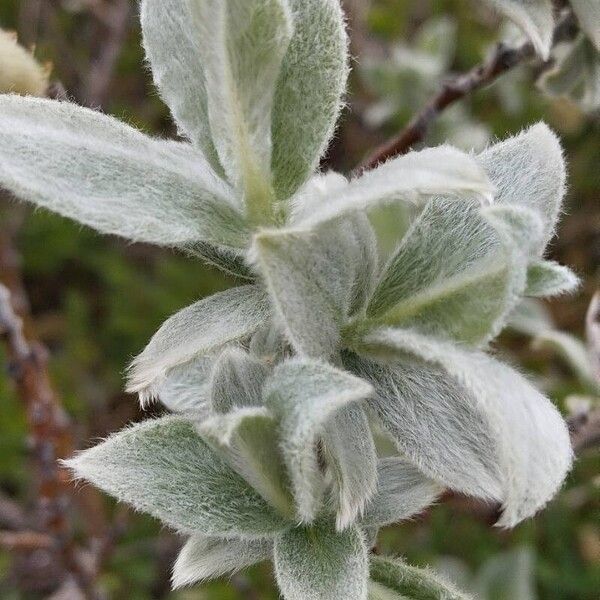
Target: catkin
x: 20, y: 73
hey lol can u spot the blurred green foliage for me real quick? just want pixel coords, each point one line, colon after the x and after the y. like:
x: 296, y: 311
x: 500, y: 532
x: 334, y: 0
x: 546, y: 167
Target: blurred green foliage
x: 96, y: 301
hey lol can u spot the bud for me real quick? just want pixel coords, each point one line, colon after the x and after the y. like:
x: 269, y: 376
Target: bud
x: 20, y: 73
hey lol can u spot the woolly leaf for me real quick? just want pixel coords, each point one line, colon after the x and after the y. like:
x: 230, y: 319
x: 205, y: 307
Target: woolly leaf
x: 268, y: 343
x: 247, y: 439
x: 316, y: 279
x: 572, y: 351
x: 534, y: 17
x: 410, y: 178
x: 510, y: 574
x: 237, y: 380
x: 547, y: 278
x: 172, y: 45
x: 164, y: 468
x: 109, y: 176
x: 588, y: 14
x: 454, y: 274
x: 529, y: 170
x: 318, y: 563
x: 412, y: 582
x: 305, y: 396
x: 206, y: 558
x: 522, y: 224
x: 242, y: 44
x: 470, y: 422
x: 530, y: 317
x: 576, y: 74
x: 381, y: 592
x: 197, y: 330
x: 355, y: 239
x: 229, y: 260
x: 309, y: 92
x: 350, y: 454
x: 402, y: 492
x: 186, y: 388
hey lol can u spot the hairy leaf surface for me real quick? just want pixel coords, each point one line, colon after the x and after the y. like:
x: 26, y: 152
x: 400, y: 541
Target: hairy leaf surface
x: 318, y: 563
x: 470, y: 422
x: 164, y: 468
x: 305, y: 396
x: 100, y: 172
x: 206, y: 558
x: 197, y: 330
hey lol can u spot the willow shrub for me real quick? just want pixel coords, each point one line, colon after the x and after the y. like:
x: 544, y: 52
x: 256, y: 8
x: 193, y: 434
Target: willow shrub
x: 335, y: 390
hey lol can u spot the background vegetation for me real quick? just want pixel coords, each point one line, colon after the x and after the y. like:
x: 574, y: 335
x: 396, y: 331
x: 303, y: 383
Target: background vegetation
x: 96, y: 301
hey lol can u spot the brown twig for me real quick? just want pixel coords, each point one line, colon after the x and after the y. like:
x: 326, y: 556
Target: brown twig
x: 456, y: 88
x: 50, y: 435
x: 49, y: 430
x: 25, y: 540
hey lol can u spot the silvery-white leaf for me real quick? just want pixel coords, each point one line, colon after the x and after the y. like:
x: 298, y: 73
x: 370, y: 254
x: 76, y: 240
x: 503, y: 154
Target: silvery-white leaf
x: 247, y: 438
x: 588, y: 15
x: 529, y: 170
x: 356, y: 239
x: 350, y: 455
x: 364, y: 256
x: 568, y: 69
x: 237, y: 380
x: 305, y: 396
x: 402, y: 492
x: 411, y: 582
x: 206, y: 558
x: 534, y: 17
x: 453, y: 274
x: 575, y: 74
x: 186, y: 388
x: 242, y: 44
x: 572, y: 351
x: 522, y: 224
x: 269, y: 343
x: 309, y: 92
x: 100, y: 172
x: 172, y: 44
x: 197, y: 330
x: 315, y: 192
x: 530, y: 317
x: 377, y: 591
x: 318, y: 563
x: 508, y: 575
x: 548, y: 278
x: 164, y: 468
x: 227, y: 259
x: 410, y: 178
x: 470, y: 422
x: 315, y: 279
